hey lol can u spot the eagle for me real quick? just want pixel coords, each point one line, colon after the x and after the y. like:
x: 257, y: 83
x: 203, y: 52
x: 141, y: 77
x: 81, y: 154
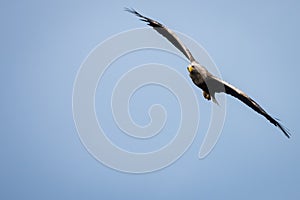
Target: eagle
x: 202, y: 78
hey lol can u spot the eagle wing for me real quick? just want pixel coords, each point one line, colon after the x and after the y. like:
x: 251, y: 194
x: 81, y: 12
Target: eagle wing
x: 218, y: 85
x: 167, y: 33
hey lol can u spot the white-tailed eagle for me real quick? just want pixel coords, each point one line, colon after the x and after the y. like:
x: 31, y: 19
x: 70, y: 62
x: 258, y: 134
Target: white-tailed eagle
x: 202, y: 77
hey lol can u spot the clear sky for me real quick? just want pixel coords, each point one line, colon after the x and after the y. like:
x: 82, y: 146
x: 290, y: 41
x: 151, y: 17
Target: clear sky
x: 255, y: 46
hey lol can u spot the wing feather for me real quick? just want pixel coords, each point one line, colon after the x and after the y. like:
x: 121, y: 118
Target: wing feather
x: 219, y: 85
x: 167, y: 33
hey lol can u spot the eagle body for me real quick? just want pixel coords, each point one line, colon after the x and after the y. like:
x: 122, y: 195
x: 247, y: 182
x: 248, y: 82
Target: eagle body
x: 202, y: 78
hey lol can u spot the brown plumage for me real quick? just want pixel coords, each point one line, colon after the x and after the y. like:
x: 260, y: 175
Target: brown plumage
x: 202, y: 78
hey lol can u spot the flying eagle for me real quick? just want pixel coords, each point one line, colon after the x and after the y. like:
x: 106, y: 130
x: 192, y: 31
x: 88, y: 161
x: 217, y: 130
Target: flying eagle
x: 201, y: 77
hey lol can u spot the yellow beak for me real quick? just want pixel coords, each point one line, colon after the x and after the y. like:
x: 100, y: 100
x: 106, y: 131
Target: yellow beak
x: 190, y: 68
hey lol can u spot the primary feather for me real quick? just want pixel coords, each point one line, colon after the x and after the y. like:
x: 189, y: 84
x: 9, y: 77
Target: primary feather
x: 167, y: 33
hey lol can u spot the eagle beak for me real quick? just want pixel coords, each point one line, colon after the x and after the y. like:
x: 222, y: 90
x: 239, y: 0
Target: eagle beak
x: 190, y: 68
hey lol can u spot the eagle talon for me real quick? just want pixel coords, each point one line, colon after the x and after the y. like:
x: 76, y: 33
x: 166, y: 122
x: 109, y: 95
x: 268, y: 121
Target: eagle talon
x: 206, y: 95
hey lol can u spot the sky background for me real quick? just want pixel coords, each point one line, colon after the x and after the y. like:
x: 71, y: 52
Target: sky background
x: 255, y: 46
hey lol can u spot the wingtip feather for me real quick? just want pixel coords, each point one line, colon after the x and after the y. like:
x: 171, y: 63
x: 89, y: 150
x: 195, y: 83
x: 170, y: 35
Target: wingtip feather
x: 284, y: 130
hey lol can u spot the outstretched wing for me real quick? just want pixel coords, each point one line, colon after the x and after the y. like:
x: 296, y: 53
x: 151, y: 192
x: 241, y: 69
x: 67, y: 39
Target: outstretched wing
x: 167, y: 33
x: 219, y: 85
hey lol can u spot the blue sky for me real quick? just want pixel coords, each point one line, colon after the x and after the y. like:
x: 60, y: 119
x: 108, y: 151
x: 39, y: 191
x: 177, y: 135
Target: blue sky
x: 255, y: 46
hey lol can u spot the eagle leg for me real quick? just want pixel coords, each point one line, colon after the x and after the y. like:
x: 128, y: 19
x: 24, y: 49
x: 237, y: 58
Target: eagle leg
x: 206, y: 95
